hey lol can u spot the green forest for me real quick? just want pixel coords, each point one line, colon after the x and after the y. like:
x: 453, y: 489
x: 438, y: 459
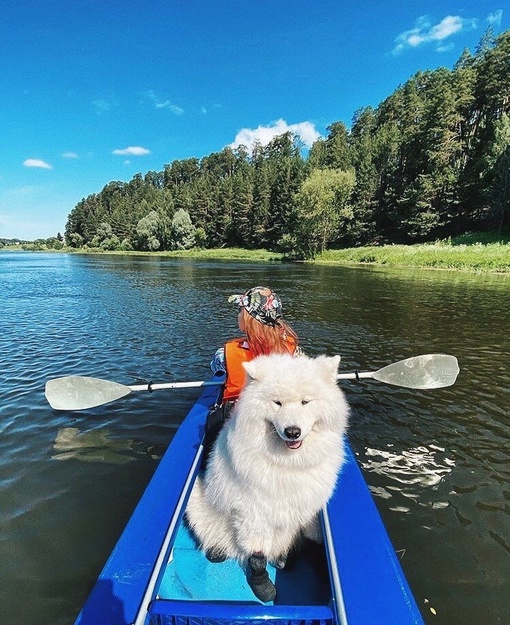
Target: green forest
x: 432, y: 161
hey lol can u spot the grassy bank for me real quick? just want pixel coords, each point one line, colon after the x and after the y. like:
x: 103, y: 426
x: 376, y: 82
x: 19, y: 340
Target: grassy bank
x: 493, y: 257
x: 478, y: 257
x: 476, y: 253
x: 486, y: 252
x: 223, y: 253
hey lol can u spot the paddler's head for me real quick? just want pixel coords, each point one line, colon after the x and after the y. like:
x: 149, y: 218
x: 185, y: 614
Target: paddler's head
x: 261, y: 303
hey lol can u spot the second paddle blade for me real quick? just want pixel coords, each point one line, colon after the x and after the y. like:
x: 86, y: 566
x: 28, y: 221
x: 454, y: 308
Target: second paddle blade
x: 79, y: 393
x: 424, y: 372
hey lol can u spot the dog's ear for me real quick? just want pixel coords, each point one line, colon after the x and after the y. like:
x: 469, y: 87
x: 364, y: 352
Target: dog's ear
x: 252, y: 368
x: 329, y: 366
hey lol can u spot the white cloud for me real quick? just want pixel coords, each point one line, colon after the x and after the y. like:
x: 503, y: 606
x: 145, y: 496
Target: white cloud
x: 35, y: 162
x: 494, y: 19
x: 132, y: 151
x: 264, y: 134
x: 425, y: 32
x: 163, y: 104
x: 447, y: 27
x: 69, y: 155
x: 176, y: 110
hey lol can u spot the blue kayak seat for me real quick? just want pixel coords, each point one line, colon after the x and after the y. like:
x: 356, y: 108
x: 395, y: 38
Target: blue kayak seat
x: 190, y: 576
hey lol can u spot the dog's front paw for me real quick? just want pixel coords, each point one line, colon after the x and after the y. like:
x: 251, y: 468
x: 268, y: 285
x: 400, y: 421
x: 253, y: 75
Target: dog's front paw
x: 263, y: 588
x: 258, y: 579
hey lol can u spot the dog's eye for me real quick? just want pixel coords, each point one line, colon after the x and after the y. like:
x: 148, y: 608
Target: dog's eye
x: 304, y: 402
x: 278, y: 403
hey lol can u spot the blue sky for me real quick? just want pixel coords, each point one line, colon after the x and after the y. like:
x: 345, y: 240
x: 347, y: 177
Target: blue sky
x: 98, y: 90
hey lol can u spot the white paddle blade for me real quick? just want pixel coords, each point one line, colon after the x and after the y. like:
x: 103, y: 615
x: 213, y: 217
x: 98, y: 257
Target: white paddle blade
x: 76, y: 392
x: 421, y: 372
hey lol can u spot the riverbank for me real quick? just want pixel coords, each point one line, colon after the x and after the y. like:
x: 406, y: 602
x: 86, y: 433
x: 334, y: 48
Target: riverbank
x: 467, y: 253
x: 493, y: 258
x: 477, y: 257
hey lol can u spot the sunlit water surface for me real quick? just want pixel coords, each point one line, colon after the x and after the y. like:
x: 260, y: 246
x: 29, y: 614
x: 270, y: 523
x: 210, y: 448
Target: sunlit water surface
x: 437, y: 461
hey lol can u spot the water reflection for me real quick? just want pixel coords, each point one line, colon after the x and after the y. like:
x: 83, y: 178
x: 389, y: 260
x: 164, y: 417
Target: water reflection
x: 99, y: 446
x: 425, y: 467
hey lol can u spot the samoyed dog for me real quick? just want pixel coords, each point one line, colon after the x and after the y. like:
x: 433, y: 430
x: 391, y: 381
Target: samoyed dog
x: 273, y: 466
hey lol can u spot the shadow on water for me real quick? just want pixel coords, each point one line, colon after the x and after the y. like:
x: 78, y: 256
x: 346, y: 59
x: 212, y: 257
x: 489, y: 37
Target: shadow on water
x: 94, y: 446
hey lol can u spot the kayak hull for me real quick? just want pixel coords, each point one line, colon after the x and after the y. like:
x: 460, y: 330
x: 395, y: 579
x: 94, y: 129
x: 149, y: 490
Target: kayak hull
x: 156, y: 575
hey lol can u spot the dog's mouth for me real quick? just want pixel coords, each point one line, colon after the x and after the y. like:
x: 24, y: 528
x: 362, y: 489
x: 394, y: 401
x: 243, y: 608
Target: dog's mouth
x: 293, y: 444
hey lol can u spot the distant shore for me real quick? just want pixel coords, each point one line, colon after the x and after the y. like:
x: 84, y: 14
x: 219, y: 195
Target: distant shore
x: 469, y: 256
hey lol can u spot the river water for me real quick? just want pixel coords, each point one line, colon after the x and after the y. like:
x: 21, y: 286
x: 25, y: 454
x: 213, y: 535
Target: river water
x: 437, y: 462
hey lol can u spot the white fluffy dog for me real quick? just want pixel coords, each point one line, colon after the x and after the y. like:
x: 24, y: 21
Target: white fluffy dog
x: 273, y: 466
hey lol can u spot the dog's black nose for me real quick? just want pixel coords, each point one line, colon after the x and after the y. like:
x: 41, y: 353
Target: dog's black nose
x: 292, y: 432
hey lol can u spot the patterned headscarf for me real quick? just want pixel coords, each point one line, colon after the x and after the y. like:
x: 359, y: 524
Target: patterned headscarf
x: 261, y: 303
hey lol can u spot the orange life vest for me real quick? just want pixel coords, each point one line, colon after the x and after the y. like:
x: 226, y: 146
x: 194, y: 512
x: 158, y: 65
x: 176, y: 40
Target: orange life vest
x: 238, y: 351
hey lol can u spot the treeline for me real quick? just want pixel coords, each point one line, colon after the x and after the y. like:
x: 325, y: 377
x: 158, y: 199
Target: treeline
x: 51, y: 243
x: 431, y: 161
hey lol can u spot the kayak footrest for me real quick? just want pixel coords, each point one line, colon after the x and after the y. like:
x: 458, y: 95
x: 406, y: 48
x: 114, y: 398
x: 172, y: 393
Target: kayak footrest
x: 171, y: 612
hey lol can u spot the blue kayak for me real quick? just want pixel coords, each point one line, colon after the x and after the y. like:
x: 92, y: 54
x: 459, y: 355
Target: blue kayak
x: 156, y: 575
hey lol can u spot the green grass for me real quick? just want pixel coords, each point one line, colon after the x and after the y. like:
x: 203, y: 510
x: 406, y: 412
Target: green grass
x: 478, y: 257
x: 223, y: 253
x: 228, y: 253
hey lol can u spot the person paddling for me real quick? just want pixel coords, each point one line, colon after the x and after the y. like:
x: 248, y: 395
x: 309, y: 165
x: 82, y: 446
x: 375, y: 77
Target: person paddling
x: 260, y: 318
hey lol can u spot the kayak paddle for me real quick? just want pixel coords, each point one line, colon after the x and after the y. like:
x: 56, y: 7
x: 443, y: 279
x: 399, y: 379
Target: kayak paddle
x: 420, y: 372
x: 77, y: 392
x: 423, y: 372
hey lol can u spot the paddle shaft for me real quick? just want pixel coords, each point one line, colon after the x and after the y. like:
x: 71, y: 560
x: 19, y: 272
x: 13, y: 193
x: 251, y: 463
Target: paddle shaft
x: 162, y: 385
x: 165, y: 385
x: 357, y: 375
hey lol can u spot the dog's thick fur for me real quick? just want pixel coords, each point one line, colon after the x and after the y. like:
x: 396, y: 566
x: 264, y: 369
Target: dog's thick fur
x: 275, y: 462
